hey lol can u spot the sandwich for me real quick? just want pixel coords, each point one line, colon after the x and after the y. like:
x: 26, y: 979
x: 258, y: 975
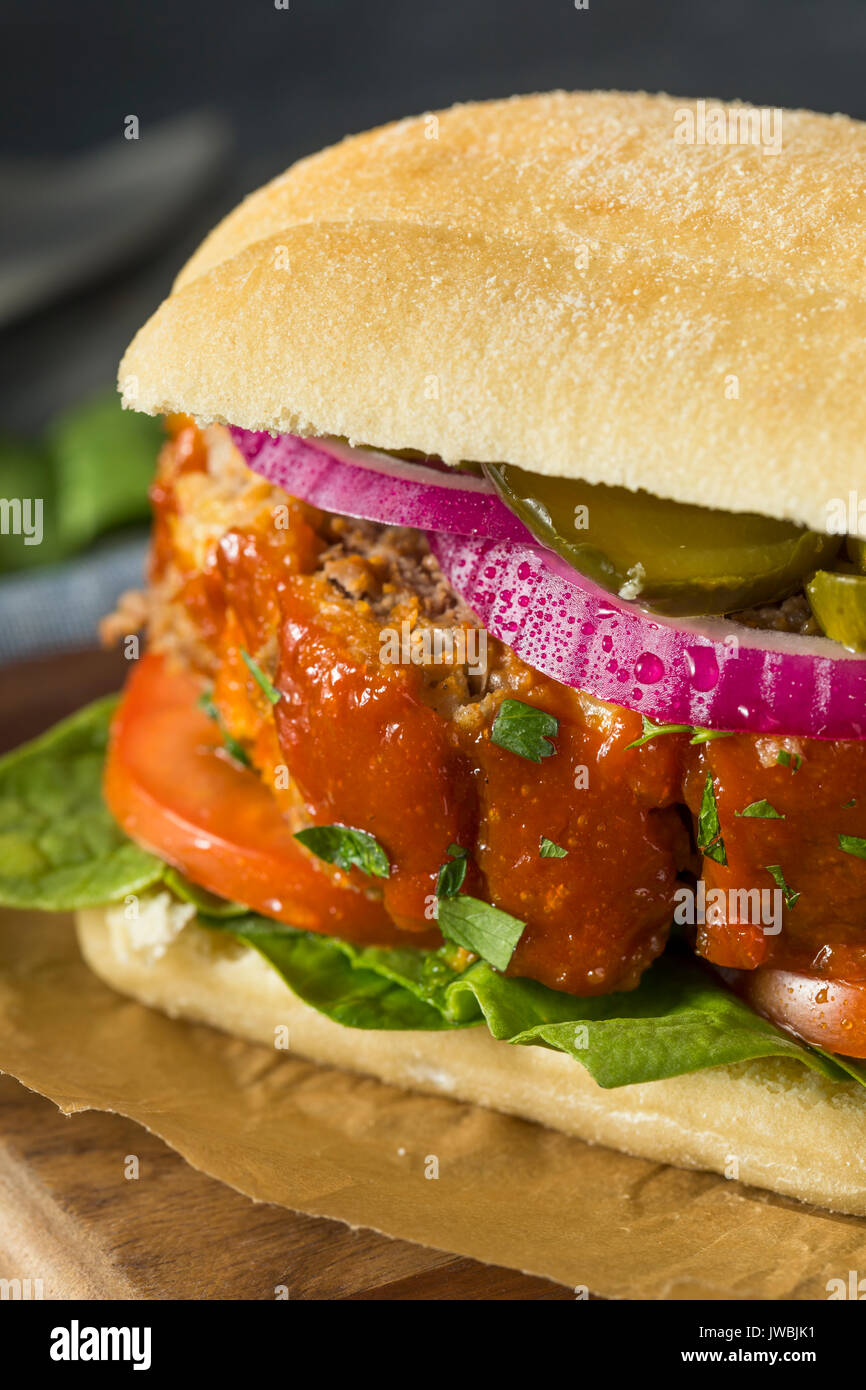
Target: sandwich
x: 496, y: 713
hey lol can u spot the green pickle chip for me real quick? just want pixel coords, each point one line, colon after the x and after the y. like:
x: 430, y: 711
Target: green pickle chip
x: 839, y: 605
x: 671, y: 557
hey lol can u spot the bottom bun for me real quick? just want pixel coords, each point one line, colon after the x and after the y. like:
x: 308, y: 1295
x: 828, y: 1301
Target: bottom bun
x: 772, y: 1123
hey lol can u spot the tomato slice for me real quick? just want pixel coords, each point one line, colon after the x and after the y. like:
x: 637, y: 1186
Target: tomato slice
x: 172, y: 788
x: 829, y: 1013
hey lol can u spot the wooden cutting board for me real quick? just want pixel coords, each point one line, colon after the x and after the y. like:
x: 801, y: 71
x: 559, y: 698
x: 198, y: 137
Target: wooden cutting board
x: 69, y: 1217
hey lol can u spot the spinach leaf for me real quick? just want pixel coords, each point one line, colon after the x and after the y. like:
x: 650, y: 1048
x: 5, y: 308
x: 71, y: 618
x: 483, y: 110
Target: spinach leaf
x: 60, y: 847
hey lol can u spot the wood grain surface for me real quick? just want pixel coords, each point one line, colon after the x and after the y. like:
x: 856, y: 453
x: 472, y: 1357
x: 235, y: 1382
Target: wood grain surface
x: 70, y: 1217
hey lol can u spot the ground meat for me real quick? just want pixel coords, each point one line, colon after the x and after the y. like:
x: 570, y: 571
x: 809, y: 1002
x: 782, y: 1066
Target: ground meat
x: 385, y: 565
x: 131, y: 613
x: 788, y: 615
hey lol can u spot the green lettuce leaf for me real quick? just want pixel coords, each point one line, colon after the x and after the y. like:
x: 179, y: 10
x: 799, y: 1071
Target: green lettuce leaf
x: 208, y: 904
x: 59, y: 846
x: 361, y: 987
x: 680, y: 1019
x: 61, y: 849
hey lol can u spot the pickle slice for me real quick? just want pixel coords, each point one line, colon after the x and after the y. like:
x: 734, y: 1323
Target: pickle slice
x: 855, y: 548
x: 670, y: 557
x: 839, y: 605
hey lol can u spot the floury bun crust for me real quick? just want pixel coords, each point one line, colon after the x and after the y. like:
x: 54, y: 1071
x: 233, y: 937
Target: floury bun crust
x: 790, y: 1131
x: 554, y: 281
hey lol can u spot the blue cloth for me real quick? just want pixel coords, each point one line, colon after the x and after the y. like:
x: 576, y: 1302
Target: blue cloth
x: 58, y: 608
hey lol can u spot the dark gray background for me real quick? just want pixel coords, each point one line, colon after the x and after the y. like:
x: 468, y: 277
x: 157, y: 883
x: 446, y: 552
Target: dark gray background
x: 291, y: 81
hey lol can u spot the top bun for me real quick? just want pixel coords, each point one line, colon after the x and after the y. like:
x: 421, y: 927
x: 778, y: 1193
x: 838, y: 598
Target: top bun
x: 631, y: 289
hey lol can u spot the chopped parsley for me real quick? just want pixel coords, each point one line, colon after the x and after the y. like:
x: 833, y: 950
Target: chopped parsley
x: 853, y: 844
x: 709, y: 828
x: 549, y: 849
x: 847, y: 804
x: 524, y: 730
x: 205, y: 702
x: 451, y: 875
x: 476, y: 926
x: 652, y: 730
x: 761, y: 810
x: 346, y: 847
x: 265, y: 685
x: 707, y: 735
x: 788, y: 893
x: 791, y: 760
x: 233, y: 748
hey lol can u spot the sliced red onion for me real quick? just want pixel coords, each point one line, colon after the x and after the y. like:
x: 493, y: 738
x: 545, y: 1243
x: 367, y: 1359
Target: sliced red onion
x: 713, y: 672
x: 375, y: 486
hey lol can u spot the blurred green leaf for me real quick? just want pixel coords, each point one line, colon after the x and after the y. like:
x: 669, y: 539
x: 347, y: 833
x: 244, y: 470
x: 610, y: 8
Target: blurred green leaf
x: 25, y: 472
x: 103, y: 461
x: 92, y: 472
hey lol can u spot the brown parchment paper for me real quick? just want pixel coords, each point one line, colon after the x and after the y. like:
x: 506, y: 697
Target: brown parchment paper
x: 328, y: 1143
